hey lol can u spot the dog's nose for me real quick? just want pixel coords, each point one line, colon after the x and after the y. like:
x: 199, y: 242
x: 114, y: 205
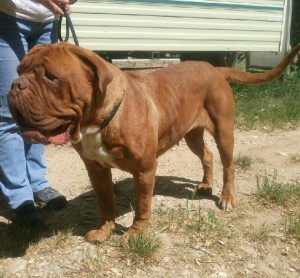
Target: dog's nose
x: 18, y: 84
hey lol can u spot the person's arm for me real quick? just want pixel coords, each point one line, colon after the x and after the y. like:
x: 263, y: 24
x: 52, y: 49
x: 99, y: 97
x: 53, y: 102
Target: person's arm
x: 55, y: 5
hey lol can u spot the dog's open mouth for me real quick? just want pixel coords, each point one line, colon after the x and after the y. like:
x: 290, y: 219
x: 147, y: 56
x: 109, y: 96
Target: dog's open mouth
x: 57, y: 136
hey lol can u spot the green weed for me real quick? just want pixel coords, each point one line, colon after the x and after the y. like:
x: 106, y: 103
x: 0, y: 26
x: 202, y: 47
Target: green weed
x: 277, y: 192
x: 243, y: 162
x: 141, y: 247
x: 201, y: 225
x: 295, y: 158
x: 293, y: 225
x: 62, y: 238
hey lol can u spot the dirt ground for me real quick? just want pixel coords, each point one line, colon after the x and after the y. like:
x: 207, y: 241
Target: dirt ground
x: 253, y: 242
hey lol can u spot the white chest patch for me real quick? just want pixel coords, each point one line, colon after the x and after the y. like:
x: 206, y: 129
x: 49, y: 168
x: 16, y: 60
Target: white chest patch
x: 93, y: 147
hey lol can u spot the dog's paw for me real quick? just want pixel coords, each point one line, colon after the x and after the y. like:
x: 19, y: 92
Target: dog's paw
x: 98, y: 236
x: 227, y: 203
x: 133, y: 233
x: 204, y: 189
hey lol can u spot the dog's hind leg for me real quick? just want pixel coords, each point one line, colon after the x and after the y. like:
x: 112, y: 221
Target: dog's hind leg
x: 221, y: 114
x: 225, y: 140
x: 195, y: 142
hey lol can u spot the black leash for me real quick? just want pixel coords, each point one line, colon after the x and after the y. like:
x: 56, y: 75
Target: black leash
x: 69, y: 25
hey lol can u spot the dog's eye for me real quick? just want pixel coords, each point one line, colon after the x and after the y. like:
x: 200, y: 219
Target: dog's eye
x: 50, y: 76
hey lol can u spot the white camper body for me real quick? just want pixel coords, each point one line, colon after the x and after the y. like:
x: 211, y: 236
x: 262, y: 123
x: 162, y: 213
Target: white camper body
x: 179, y: 28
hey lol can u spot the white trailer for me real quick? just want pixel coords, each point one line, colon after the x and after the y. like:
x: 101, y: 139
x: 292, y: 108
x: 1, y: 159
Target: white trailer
x: 184, y: 29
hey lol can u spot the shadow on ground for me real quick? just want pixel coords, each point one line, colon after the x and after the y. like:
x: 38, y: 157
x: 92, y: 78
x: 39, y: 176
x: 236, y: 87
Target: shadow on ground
x: 81, y: 213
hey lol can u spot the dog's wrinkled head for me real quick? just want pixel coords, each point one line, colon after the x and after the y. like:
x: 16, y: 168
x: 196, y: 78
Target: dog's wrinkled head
x: 57, y: 90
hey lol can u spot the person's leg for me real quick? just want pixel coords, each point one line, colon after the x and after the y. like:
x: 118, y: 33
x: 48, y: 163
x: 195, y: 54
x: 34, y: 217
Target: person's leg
x: 13, y: 174
x: 13, y: 179
x: 14, y: 183
x: 36, y: 166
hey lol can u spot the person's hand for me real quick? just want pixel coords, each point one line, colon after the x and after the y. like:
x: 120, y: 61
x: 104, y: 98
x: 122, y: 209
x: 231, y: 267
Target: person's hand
x: 55, y: 5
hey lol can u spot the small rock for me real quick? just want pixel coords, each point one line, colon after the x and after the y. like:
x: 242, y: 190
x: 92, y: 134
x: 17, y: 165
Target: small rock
x: 285, y: 252
x: 250, y: 250
x: 92, y: 252
x: 222, y: 274
x: 185, y: 273
x: 114, y: 270
x: 17, y: 266
x: 166, y: 259
x: 283, y: 153
x: 157, y: 269
x: 218, y: 274
x: 251, y: 266
x: 222, y: 242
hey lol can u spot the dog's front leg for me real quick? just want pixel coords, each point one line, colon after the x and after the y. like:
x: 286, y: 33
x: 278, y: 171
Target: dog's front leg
x: 144, y: 184
x: 101, y: 179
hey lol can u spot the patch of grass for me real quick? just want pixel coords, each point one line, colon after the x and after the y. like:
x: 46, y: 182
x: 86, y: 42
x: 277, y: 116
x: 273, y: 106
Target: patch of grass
x: 142, y: 247
x: 295, y: 158
x: 262, y: 234
x: 205, y: 227
x: 243, y: 162
x: 278, y: 192
x: 271, y: 105
x: 287, y: 194
x: 63, y: 238
x: 293, y: 225
x: 60, y: 239
x: 172, y: 218
x: 201, y: 224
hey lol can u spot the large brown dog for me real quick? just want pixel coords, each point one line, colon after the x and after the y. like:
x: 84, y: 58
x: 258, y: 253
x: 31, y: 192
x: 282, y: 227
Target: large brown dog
x: 127, y: 120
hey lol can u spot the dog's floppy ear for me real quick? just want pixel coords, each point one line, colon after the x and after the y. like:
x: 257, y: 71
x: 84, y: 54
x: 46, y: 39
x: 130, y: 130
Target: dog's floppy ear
x: 97, y: 64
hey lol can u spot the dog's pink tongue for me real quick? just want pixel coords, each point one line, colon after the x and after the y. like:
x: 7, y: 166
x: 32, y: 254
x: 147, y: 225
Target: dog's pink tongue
x: 59, y: 139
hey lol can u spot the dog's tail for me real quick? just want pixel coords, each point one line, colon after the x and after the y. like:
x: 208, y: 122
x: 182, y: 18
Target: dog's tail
x: 242, y: 77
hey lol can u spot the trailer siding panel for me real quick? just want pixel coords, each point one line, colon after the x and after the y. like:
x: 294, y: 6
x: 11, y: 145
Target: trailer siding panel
x: 170, y: 25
